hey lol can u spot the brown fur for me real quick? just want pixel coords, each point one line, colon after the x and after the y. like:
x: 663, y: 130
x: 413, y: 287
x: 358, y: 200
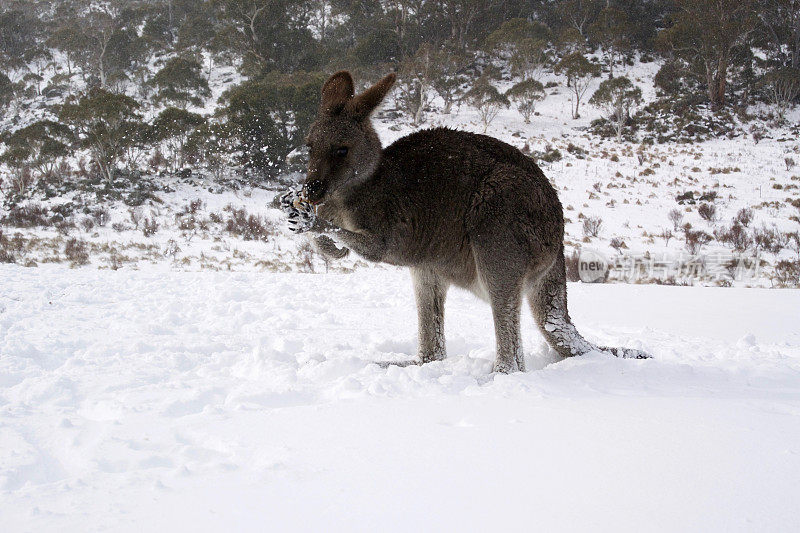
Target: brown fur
x: 457, y: 208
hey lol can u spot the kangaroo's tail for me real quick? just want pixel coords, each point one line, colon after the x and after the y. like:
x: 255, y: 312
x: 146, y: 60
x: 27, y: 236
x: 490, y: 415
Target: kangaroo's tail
x: 548, y: 301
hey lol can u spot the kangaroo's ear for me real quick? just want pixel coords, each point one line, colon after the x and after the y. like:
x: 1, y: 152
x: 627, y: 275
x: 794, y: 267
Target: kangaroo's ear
x: 363, y: 104
x: 336, y: 92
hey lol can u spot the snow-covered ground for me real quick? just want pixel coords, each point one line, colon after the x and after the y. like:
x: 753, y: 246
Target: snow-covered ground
x: 161, y: 400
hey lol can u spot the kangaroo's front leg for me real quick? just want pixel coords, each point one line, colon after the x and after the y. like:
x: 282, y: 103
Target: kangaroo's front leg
x: 303, y: 219
x: 370, y: 247
x: 430, y: 291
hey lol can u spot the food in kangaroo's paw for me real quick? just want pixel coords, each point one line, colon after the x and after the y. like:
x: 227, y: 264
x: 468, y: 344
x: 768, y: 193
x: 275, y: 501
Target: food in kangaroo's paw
x: 300, y: 213
x: 295, y: 199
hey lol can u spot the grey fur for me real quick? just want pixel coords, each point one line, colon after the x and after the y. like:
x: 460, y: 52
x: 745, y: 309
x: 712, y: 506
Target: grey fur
x: 457, y: 208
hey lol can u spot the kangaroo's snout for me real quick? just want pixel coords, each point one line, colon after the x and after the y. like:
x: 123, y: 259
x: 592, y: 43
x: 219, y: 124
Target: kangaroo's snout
x: 314, y: 191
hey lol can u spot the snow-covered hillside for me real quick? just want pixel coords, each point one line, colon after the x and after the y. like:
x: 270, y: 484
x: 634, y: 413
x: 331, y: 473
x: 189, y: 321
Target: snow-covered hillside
x: 629, y: 190
x: 162, y: 400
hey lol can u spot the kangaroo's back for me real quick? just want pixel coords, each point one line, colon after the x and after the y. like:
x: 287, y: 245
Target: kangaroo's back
x: 436, y: 190
x: 438, y: 158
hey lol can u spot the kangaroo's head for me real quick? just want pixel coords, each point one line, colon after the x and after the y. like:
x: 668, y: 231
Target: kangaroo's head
x: 343, y: 148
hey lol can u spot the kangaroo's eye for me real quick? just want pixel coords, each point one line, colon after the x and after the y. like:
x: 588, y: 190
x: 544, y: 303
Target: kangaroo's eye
x: 341, y: 151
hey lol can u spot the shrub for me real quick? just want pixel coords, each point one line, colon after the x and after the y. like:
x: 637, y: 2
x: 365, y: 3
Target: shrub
x: 787, y: 273
x: 76, y: 252
x: 591, y: 226
x: 27, y: 216
x: 247, y: 226
x: 707, y: 212
x: 769, y: 239
x: 172, y: 249
x: 525, y: 94
x: 744, y: 216
x: 87, y: 223
x: 676, y: 217
x: 758, y: 132
x: 193, y: 207
x: 550, y: 155
x: 6, y: 255
x: 695, y: 240
x: 736, y: 236
x: 618, y: 244
x: 305, y: 258
x: 149, y: 227
x: 181, y: 81
x: 616, y: 97
x: 577, y: 151
x: 666, y: 234
x: 487, y: 100
x: 135, y: 216
x: 100, y: 216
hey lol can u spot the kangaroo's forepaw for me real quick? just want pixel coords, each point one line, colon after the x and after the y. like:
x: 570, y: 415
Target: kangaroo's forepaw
x: 327, y: 247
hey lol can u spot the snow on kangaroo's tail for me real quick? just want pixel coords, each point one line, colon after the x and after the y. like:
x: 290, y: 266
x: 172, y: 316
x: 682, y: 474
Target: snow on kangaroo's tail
x: 548, y: 300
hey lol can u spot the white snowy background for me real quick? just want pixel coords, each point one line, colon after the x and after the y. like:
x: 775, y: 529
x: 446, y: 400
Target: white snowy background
x: 198, y: 387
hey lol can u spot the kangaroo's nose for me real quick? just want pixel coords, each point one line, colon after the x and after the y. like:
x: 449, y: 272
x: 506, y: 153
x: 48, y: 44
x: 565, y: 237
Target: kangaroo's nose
x: 314, y: 190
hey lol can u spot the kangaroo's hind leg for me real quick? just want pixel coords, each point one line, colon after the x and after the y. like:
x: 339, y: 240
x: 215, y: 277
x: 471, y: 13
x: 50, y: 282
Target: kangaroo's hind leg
x: 503, y: 285
x: 430, y: 291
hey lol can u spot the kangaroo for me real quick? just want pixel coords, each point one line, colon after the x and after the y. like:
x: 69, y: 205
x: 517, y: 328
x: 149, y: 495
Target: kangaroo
x: 457, y: 208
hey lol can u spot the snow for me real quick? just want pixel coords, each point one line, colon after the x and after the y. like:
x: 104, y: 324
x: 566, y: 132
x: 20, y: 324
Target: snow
x: 164, y: 400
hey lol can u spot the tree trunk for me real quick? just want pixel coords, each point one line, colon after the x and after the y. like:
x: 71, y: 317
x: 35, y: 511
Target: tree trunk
x: 420, y: 104
x: 102, y: 66
x: 718, y: 83
x: 619, y: 115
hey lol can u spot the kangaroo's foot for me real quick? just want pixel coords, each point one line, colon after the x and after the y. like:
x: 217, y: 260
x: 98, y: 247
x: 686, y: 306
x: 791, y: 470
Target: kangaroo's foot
x: 626, y: 353
x: 508, y: 364
x: 429, y: 357
x: 506, y: 367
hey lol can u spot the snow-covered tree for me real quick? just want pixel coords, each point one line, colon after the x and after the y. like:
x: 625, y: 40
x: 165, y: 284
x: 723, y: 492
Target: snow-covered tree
x: 616, y: 97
